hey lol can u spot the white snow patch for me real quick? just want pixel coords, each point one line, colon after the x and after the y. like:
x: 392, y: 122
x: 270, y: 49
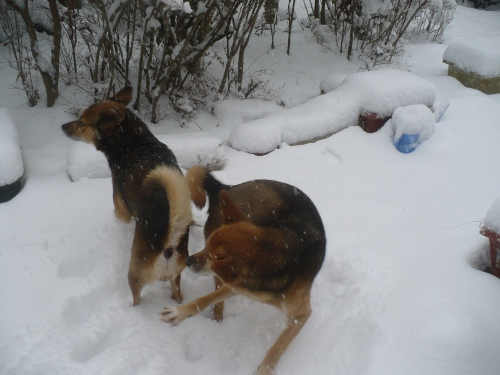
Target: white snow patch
x: 331, y: 82
x: 236, y: 112
x: 187, y: 8
x: 85, y: 161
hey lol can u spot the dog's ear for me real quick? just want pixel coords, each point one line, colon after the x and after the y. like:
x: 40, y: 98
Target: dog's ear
x: 124, y: 96
x: 230, y: 212
x: 109, y: 115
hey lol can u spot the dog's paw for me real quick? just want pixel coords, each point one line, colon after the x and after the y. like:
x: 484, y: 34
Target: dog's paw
x: 172, y: 315
x: 264, y: 370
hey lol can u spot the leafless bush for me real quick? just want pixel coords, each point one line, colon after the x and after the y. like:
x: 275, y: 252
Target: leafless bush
x: 20, y: 58
x: 373, y: 30
x: 158, y: 46
x: 46, y: 62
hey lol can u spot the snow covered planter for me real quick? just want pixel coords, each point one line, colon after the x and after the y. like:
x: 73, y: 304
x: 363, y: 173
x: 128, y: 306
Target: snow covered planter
x: 475, y: 62
x: 491, y: 229
x: 11, y: 161
x: 383, y: 91
x: 190, y: 149
x: 412, y: 125
x: 372, y: 94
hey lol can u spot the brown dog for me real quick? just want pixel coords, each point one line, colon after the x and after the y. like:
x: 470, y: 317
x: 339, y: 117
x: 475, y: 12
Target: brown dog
x: 266, y: 241
x: 148, y: 185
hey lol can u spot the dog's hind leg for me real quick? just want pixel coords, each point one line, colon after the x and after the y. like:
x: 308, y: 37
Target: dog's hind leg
x: 121, y: 210
x: 135, y: 287
x: 298, y: 312
x: 175, y: 283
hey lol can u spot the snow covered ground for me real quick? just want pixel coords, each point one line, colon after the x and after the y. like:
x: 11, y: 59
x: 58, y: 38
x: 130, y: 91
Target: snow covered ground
x: 399, y: 291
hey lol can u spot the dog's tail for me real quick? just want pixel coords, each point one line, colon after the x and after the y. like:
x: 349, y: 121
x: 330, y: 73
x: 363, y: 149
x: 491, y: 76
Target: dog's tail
x: 166, y: 187
x: 201, y: 183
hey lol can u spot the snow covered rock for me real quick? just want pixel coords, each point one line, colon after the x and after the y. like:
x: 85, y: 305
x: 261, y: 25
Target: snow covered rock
x: 379, y: 92
x: 412, y: 125
x: 11, y: 161
x: 475, y: 62
x: 480, y: 55
x: 190, y: 149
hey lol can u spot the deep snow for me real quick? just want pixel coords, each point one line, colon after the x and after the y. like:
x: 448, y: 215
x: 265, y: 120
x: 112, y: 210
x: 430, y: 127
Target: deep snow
x: 399, y: 292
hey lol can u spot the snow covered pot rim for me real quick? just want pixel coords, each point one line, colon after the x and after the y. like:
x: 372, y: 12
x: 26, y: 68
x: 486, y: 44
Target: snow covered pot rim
x: 492, y: 218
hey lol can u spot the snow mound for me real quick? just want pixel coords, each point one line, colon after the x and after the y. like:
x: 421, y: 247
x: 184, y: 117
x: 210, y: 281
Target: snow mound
x: 235, y: 111
x: 480, y: 55
x: 198, y: 148
x: 492, y: 218
x: 11, y: 161
x: 190, y: 149
x: 383, y: 91
x: 379, y: 92
x: 85, y: 161
x: 331, y: 82
x: 413, y: 119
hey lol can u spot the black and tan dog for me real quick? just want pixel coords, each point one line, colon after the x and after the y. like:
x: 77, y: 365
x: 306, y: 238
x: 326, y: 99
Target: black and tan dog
x: 266, y: 241
x: 147, y: 186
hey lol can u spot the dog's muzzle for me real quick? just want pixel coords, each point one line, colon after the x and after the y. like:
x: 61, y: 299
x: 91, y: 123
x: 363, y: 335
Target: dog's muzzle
x: 196, y: 263
x: 66, y: 127
x: 69, y: 129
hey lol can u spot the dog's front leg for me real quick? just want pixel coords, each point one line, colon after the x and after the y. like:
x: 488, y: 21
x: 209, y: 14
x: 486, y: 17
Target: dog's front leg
x: 176, y: 315
x: 175, y: 286
x: 219, y: 306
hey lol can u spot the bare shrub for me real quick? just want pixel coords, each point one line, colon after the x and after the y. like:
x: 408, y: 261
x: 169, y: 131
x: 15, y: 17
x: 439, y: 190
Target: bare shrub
x: 20, y: 57
x: 373, y: 30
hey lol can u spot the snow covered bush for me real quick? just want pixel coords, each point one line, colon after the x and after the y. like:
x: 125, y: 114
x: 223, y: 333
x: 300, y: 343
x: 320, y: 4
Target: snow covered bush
x: 34, y: 54
x: 372, y: 30
x: 158, y: 46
